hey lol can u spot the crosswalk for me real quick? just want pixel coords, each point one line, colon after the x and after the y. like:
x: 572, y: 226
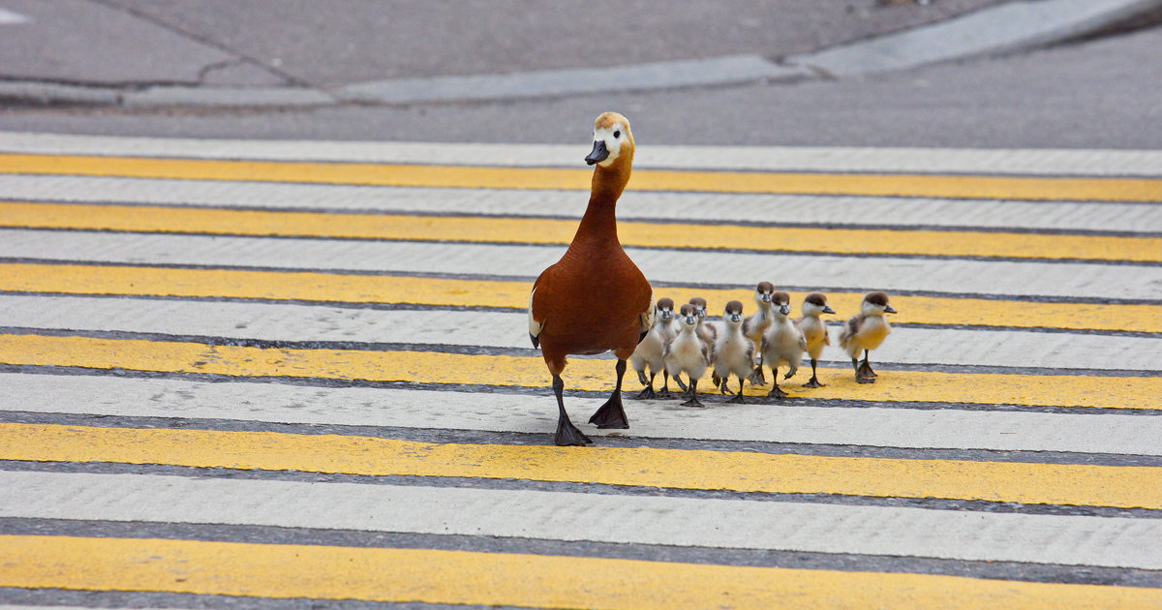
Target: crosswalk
x: 297, y: 373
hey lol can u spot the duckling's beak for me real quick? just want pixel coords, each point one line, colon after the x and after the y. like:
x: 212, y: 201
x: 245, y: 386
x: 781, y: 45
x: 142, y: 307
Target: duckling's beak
x: 784, y: 309
x: 701, y: 313
x: 691, y: 320
x: 667, y: 314
x: 599, y: 154
x: 828, y: 309
x: 766, y: 298
x: 888, y: 309
x: 735, y: 317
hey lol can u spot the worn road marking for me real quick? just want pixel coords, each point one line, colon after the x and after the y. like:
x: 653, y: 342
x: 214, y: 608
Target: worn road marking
x: 154, y: 219
x: 582, y: 374
x: 351, y: 288
x: 415, y: 575
x: 1026, y: 483
x: 906, y: 185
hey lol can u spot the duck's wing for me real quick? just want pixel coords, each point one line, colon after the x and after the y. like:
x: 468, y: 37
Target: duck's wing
x: 646, y: 319
x: 536, y: 313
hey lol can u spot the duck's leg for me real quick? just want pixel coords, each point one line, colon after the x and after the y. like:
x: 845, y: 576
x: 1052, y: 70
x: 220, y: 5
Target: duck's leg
x: 859, y: 378
x: 567, y: 433
x: 776, y: 391
x: 865, y: 368
x: 648, y: 391
x: 737, y: 397
x: 693, y: 402
x: 814, y: 381
x: 612, y: 414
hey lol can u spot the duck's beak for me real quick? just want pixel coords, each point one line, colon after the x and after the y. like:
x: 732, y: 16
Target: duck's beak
x: 784, y: 309
x: 735, y: 317
x: 599, y: 154
x: 766, y: 298
x: 667, y: 314
x: 888, y: 309
x: 828, y: 309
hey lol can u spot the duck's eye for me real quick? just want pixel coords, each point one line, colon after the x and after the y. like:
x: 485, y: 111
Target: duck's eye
x: 617, y: 134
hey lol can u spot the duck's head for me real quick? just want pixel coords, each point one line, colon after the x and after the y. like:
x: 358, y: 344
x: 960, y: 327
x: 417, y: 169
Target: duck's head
x: 699, y: 303
x: 733, y: 313
x: 815, y: 304
x: 665, y: 308
x: 781, y: 302
x: 688, y: 316
x: 762, y: 294
x: 612, y: 140
x: 876, y: 304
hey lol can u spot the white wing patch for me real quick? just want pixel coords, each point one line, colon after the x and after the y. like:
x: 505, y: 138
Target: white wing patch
x: 534, y: 326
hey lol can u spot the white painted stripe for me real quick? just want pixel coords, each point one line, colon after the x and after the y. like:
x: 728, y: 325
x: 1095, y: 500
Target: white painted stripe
x: 878, y: 427
x: 823, y: 159
x: 688, y: 207
x: 8, y: 17
x: 686, y: 522
x: 891, y: 274
x: 276, y: 322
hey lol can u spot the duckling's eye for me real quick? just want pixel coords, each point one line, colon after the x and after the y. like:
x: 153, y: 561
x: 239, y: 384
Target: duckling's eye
x: 617, y: 134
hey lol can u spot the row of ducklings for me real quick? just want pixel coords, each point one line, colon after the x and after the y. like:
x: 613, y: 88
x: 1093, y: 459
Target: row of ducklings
x: 690, y: 345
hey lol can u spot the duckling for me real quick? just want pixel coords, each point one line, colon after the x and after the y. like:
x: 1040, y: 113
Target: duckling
x: 866, y: 331
x: 595, y: 298
x: 706, y: 331
x: 687, y: 353
x: 733, y: 351
x: 757, y: 324
x: 814, y: 331
x: 649, y: 351
x: 782, y: 342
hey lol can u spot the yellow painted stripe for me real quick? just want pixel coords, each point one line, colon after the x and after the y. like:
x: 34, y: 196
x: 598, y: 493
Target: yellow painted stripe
x: 582, y: 374
x: 905, y: 185
x: 541, y: 231
x: 1062, y: 484
x: 507, y: 579
x: 309, y: 286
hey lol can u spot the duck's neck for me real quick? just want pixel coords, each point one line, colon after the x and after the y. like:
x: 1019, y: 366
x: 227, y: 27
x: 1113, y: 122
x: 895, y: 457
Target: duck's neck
x: 600, y: 220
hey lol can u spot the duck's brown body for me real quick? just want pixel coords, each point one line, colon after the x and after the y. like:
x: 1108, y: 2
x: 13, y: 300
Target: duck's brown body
x: 595, y: 294
x: 594, y: 299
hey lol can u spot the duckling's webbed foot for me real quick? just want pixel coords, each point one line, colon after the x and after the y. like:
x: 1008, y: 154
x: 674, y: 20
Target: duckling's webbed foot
x: 758, y: 377
x: 641, y: 376
x: 814, y: 381
x: 693, y: 402
x: 567, y: 434
x: 612, y: 414
x: 737, y: 397
x: 648, y: 391
x: 865, y: 369
x: 776, y: 391
x: 791, y: 372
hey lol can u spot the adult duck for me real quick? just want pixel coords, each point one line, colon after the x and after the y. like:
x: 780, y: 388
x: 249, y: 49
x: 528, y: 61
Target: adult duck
x: 594, y: 299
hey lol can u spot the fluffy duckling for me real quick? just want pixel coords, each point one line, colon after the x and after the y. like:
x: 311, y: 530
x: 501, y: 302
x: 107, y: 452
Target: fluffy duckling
x: 866, y: 331
x: 782, y: 342
x: 649, y: 351
x: 706, y: 331
x: 814, y: 331
x: 758, y: 323
x: 687, y: 353
x: 594, y: 299
x: 733, y: 351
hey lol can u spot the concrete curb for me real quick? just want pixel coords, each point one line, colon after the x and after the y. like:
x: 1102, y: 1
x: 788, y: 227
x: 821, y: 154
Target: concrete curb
x: 1004, y: 28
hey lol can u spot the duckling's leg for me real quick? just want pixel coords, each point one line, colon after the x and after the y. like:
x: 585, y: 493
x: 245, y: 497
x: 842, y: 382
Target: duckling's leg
x: 693, y: 402
x: 814, y: 381
x: 737, y: 397
x: 641, y: 377
x: 567, y: 433
x: 758, y: 377
x: 612, y: 414
x: 776, y: 391
x: 859, y: 378
x: 681, y: 384
x: 665, y: 391
x: 648, y: 391
x: 865, y: 368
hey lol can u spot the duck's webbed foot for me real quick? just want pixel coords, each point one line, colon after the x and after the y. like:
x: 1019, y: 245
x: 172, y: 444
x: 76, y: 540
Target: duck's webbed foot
x: 568, y: 435
x: 813, y: 383
x: 611, y: 414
